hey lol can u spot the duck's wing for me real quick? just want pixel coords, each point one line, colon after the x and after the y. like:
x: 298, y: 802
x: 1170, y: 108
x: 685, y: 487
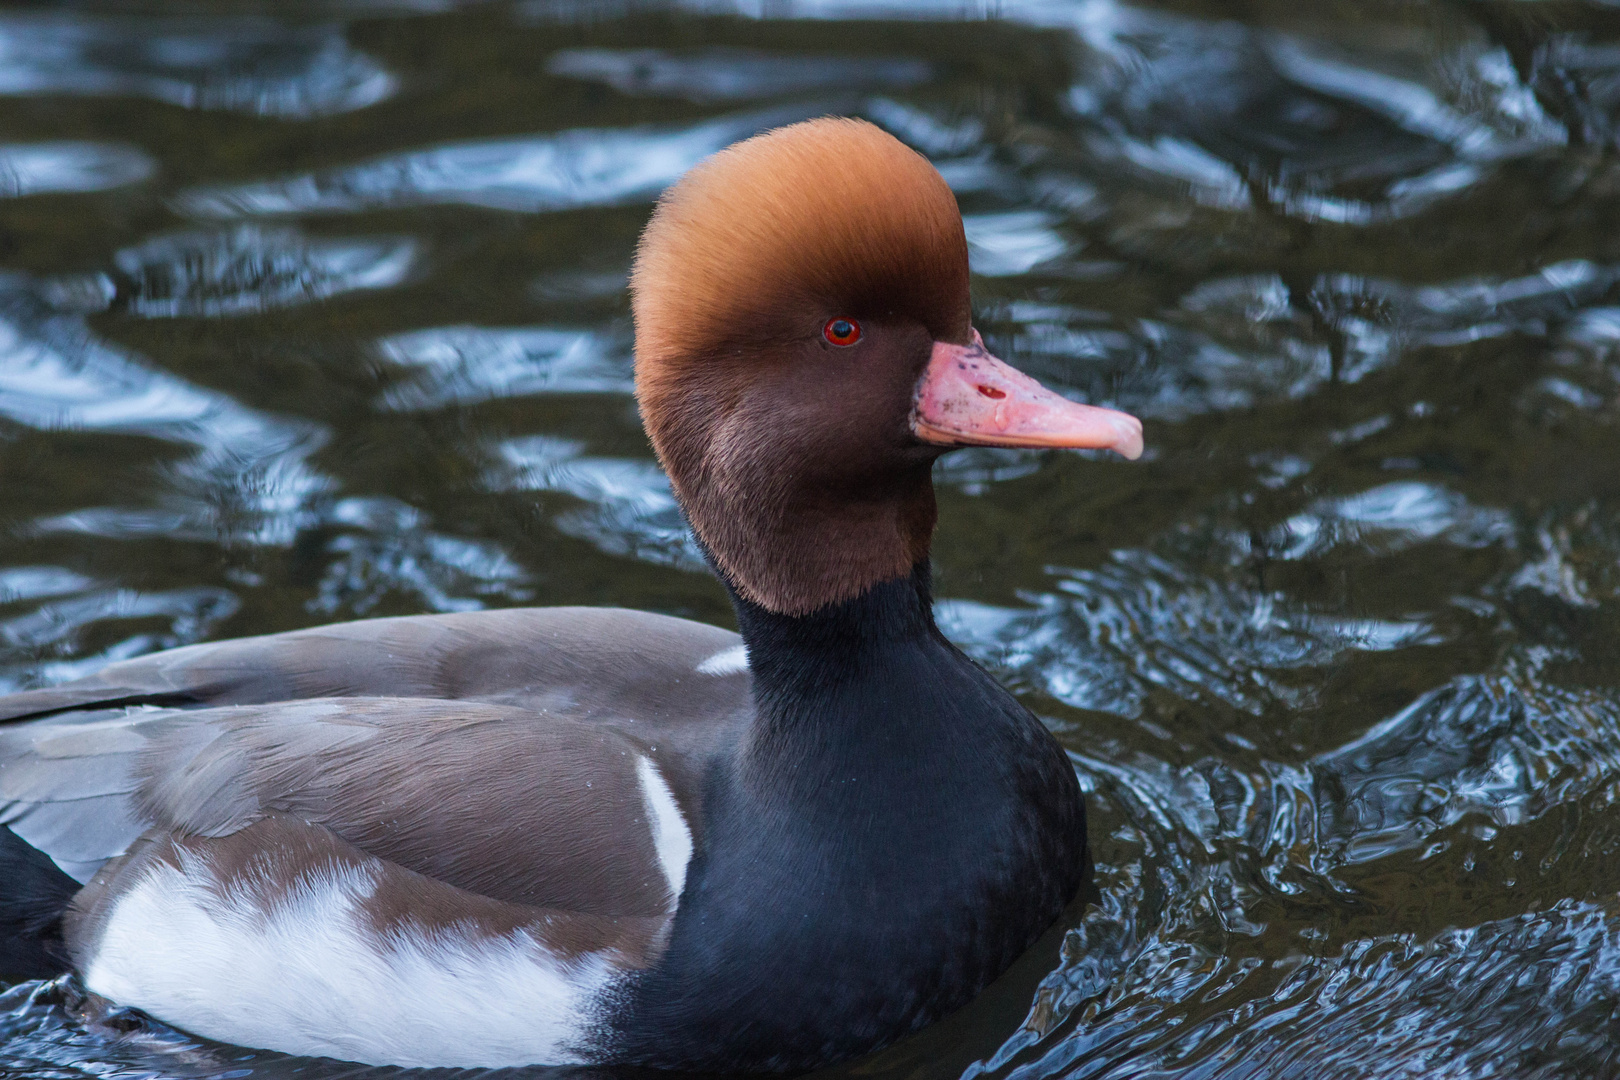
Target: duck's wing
x: 495, y: 751
x: 503, y: 801
x: 283, y: 934
x: 610, y: 664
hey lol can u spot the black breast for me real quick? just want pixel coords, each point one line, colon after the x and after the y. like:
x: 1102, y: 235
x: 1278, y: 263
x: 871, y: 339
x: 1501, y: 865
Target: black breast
x: 893, y: 833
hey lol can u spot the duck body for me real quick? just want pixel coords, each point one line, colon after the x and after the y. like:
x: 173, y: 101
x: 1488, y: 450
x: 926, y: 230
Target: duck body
x: 576, y: 835
x: 877, y: 829
x: 437, y: 840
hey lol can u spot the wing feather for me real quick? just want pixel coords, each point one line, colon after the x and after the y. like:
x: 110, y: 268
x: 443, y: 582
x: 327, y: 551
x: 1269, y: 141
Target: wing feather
x: 494, y: 750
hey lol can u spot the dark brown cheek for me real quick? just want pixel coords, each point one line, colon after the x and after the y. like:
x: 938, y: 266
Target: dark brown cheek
x: 872, y: 394
x: 908, y: 360
x: 918, y: 517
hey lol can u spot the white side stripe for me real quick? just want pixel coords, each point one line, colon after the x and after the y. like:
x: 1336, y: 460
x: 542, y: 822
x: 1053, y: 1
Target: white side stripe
x: 732, y: 661
x: 671, y: 837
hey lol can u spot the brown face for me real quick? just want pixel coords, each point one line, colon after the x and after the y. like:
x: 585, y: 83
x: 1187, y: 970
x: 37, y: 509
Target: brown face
x: 837, y: 402
x: 804, y: 353
x: 794, y: 458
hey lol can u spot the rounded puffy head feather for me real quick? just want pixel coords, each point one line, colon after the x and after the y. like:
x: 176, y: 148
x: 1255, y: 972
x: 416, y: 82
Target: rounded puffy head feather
x: 742, y: 264
x: 830, y: 215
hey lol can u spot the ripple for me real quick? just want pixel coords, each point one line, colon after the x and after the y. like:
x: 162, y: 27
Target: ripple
x: 581, y: 167
x: 1583, y: 77
x: 1500, y: 748
x: 1573, y: 559
x: 574, y: 285
x: 1375, y: 320
x: 386, y: 549
x: 35, y: 168
x: 460, y: 365
x: 1471, y: 1002
x: 1166, y: 974
x: 247, y: 270
x: 1244, y: 118
x: 956, y: 145
x: 973, y: 470
x: 1389, y: 518
x: 33, y: 582
x: 57, y: 1031
x: 243, y: 65
x: 1011, y: 243
x: 722, y: 74
x: 1108, y: 638
x: 45, y: 645
x: 249, y: 477
x: 1231, y: 346
x: 1234, y: 342
x: 1555, y: 573
x: 935, y: 137
x: 630, y: 508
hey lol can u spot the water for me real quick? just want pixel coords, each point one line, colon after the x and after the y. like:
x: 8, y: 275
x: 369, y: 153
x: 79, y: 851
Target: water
x: 312, y: 311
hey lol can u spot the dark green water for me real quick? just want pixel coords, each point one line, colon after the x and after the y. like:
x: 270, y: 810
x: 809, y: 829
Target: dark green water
x: 316, y: 311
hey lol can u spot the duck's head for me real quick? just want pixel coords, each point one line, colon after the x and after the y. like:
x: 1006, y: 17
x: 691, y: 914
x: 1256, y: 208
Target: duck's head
x: 805, y: 350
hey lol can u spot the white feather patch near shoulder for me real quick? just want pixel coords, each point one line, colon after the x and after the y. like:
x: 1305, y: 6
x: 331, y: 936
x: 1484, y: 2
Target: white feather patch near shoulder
x: 671, y: 837
x: 732, y: 661
x: 309, y: 976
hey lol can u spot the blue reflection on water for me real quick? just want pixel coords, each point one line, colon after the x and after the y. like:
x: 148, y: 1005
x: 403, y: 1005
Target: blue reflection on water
x: 247, y: 270
x: 718, y: 74
x: 466, y: 364
x: 244, y: 65
x: 35, y: 168
x: 545, y: 172
x: 1224, y: 224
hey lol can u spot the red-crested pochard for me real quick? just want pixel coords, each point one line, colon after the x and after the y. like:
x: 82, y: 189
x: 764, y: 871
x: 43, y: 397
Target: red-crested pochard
x: 559, y: 835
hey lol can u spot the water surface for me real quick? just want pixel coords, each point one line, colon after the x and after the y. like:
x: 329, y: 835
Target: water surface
x: 313, y: 311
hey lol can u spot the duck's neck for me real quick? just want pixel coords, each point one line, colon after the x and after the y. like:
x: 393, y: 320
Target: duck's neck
x: 793, y: 655
x: 851, y: 684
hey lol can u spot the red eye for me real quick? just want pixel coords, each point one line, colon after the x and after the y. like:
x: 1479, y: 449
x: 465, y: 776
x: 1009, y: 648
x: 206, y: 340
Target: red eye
x: 842, y: 331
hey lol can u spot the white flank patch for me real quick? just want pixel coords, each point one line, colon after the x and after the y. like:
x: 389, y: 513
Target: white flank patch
x: 308, y: 976
x: 670, y: 835
x: 732, y: 661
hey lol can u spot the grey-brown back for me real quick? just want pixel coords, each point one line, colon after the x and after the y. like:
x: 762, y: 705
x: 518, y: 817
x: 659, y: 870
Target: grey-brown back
x: 495, y: 751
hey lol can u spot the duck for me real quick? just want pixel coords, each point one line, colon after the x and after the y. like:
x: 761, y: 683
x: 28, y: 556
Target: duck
x: 578, y: 835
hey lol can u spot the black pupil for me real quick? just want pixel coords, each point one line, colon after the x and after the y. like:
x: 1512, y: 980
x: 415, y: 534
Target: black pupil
x: 842, y: 329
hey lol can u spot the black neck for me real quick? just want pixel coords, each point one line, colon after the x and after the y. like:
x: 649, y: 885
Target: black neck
x: 851, y: 688
x: 784, y: 650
